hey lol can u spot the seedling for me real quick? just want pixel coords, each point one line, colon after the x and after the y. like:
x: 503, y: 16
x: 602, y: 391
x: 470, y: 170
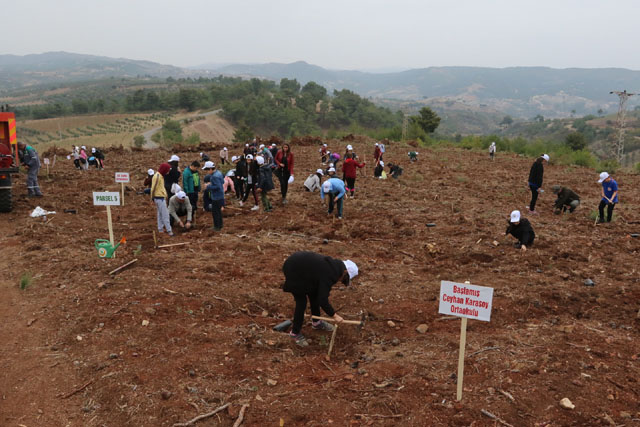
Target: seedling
x: 25, y: 280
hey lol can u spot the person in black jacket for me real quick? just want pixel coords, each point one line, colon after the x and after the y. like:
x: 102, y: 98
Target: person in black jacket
x: 567, y: 199
x: 173, y: 177
x: 535, y: 180
x: 521, y: 229
x: 312, y: 275
x: 252, y: 181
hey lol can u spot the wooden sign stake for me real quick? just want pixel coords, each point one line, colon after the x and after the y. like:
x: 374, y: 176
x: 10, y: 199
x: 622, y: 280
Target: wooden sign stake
x: 463, y: 343
x: 110, y: 228
x: 122, y: 193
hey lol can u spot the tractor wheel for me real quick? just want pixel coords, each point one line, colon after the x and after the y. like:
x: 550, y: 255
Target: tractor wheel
x: 5, y: 201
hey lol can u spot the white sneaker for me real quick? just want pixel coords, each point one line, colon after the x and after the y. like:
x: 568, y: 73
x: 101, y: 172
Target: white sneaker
x: 241, y: 203
x: 255, y: 208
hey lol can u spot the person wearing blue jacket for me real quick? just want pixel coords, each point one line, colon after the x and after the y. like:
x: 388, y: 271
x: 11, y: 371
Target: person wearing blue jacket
x: 335, y: 190
x: 213, y: 197
x: 609, y: 196
x: 31, y: 161
x: 191, y: 184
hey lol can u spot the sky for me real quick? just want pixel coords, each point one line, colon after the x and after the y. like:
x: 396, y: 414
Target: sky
x: 344, y: 34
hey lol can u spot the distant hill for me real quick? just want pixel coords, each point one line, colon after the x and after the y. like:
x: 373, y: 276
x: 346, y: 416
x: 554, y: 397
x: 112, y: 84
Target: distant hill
x: 522, y: 92
x: 57, y: 67
x: 518, y: 91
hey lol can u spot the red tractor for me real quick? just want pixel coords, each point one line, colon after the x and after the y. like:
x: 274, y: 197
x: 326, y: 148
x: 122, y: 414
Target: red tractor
x: 9, y: 159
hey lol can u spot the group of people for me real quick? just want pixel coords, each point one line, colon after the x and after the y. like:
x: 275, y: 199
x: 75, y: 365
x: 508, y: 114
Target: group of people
x: 566, y: 200
x: 82, y: 160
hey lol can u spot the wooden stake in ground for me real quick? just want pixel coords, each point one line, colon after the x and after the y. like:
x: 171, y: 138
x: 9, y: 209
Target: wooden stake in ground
x: 110, y: 228
x: 155, y: 239
x: 333, y: 338
x: 122, y: 267
x: 463, y: 343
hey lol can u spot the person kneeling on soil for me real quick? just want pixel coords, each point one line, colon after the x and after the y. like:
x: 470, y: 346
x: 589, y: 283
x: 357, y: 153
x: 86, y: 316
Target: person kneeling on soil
x: 567, y: 199
x: 394, y: 170
x: 179, y: 205
x: 312, y: 275
x: 521, y: 229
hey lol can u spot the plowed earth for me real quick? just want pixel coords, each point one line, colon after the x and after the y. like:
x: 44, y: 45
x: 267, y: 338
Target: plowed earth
x: 73, y: 349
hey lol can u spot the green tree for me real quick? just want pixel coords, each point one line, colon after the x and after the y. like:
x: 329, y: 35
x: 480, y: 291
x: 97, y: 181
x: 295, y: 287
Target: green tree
x: 290, y: 87
x: 576, y: 141
x: 242, y: 133
x: 138, y: 141
x: 507, y: 120
x: 428, y: 120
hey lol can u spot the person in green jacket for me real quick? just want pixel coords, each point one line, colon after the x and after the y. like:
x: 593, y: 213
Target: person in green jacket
x: 191, y: 184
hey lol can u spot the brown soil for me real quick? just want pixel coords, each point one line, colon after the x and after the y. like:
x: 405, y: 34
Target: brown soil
x: 211, y: 305
x: 212, y: 128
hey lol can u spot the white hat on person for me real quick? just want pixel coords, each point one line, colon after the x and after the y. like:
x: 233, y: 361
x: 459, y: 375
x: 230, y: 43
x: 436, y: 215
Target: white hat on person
x: 209, y: 165
x: 93, y: 150
x: 260, y: 160
x: 324, y: 145
x: 320, y: 172
x: 376, y: 143
x: 174, y: 158
x: 351, y: 267
x: 515, y: 216
x: 234, y: 158
x: 224, y: 149
x: 326, y: 186
x: 231, y: 173
x: 603, y: 176
x: 349, y: 147
x: 261, y: 146
x: 83, y: 147
x: 331, y: 170
x: 249, y: 157
x: 381, y: 163
x: 246, y: 145
x: 151, y: 172
x: 181, y: 195
x: 546, y: 157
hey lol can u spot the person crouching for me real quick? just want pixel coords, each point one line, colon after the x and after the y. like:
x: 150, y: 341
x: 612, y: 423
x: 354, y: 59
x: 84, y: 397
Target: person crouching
x: 179, y: 205
x: 567, y: 199
x: 521, y: 229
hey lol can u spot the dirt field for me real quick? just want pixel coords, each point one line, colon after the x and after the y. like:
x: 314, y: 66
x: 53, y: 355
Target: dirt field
x: 75, y: 352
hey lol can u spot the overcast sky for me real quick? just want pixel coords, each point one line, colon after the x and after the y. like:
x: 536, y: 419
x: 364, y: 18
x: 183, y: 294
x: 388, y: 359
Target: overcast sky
x: 344, y: 34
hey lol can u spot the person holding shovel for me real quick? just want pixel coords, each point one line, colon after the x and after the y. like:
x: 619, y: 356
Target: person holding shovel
x: 29, y: 158
x: 309, y: 275
x: 609, y: 196
x: 521, y: 229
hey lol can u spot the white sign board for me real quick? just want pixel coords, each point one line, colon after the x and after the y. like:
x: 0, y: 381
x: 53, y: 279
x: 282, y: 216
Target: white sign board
x: 122, y: 176
x: 463, y: 300
x: 46, y: 161
x: 107, y: 198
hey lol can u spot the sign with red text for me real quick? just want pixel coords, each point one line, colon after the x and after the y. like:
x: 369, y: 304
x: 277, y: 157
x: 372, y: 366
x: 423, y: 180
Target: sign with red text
x: 464, y: 300
x: 122, y: 177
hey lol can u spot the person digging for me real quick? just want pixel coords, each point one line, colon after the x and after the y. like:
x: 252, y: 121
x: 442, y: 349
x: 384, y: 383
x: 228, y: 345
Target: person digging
x: 309, y: 275
x: 567, y: 199
x: 521, y: 229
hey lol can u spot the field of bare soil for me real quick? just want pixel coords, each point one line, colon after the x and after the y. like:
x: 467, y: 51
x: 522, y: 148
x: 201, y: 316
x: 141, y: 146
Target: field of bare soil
x: 74, y: 350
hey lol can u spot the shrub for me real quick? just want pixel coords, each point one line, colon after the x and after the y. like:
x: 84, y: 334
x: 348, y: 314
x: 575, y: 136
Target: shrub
x: 609, y: 165
x: 25, y: 280
x: 637, y: 167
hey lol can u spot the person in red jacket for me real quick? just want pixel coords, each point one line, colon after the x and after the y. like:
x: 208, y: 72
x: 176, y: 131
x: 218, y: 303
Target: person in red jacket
x: 284, y: 162
x: 350, y: 168
x: 377, y: 154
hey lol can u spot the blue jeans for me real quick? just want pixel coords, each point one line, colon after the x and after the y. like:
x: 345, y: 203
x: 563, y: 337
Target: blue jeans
x: 339, y: 203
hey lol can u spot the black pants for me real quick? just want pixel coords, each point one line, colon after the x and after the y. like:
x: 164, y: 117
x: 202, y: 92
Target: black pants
x: 301, y: 306
x: 284, y: 182
x: 250, y: 187
x: 534, y: 197
x: 238, y: 185
x: 610, y: 207
x: 193, y: 199
x: 216, y: 212
x: 351, y: 185
x: 222, y: 160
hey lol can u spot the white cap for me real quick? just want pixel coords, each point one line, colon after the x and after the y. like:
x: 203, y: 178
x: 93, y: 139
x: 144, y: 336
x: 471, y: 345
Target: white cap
x: 151, y: 172
x: 224, y: 149
x: 201, y: 154
x: 324, y: 145
x: 515, y: 216
x: 493, y: 143
x: 381, y: 163
x: 326, y: 186
x: 320, y: 172
x: 234, y: 158
x: 376, y: 143
x: 174, y: 158
x: 603, y: 176
x: 261, y: 146
x: 331, y: 170
x: 93, y: 150
x: 349, y: 147
x: 331, y: 165
x: 249, y: 157
x: 83, y: 147
x: 352, y: 268
x: 546, y: 157
x: 231, y: 173
x: 260, y: 160
x: 246, y: 145
x: 209, y: 165
x: 181, y: 195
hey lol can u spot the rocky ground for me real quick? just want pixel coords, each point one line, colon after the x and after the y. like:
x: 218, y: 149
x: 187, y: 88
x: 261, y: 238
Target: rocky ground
x: 188, y: 328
